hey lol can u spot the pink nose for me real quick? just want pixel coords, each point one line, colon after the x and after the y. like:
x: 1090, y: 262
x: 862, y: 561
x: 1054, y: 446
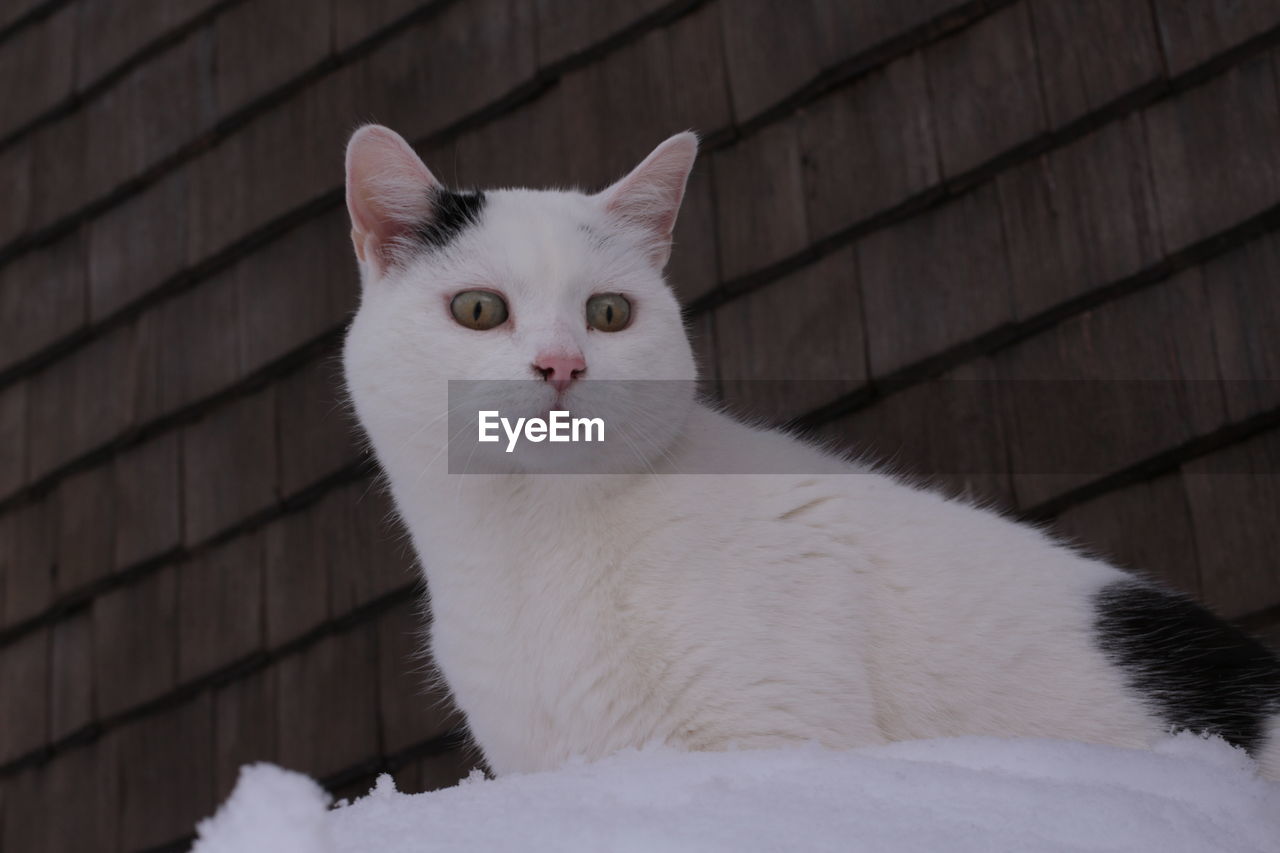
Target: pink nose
x: 560, y: 368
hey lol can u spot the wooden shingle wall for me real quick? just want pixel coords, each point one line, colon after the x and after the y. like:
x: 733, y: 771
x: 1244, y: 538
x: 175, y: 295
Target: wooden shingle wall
x: 941, y: 215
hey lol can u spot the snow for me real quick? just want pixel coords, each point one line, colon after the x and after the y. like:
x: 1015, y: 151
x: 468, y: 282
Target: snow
x: 958, y: 794
x: 270, y: 809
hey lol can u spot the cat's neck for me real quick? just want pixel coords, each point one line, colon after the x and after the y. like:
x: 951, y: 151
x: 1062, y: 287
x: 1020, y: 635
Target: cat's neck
x: 448, y: 506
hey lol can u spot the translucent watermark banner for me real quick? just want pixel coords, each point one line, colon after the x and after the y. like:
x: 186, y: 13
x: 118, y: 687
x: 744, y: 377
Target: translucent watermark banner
x: 1070, y: 428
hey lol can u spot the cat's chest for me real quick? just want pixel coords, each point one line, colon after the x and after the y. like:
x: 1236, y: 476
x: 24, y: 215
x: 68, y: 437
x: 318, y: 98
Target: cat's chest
x: 545, y: 664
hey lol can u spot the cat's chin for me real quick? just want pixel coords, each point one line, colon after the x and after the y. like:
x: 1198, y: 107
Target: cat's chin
x: 600, y: 427
x: 618, y: 449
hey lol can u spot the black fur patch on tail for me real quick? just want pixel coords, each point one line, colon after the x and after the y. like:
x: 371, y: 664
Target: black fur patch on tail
x: 1194, y: 670
x: 451, y: 212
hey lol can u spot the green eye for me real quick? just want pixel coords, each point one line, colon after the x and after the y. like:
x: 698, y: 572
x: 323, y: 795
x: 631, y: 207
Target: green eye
x: 608, y: 312
x: 479, y: 309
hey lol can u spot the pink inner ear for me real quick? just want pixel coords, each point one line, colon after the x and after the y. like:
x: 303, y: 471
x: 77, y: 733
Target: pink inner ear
x: 649, y: 198
x: 389, y: 190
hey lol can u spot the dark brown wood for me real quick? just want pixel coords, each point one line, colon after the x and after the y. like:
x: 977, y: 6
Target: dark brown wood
x: 795, y: 345
x: 148, y: 503
x: 296, y: 576
x: 327, y: 700
x: 318, y: 433
x: 42, y: 298
x: 58, y: 176
x: 443, y: 770
x: 693, y: 270
x: 848, y: 29
x: 369, y: 555
x: 220, y: 606
x: 942, y: 275
x: 280, y: 174
x: 699, y: 88
x: 247, y: 41
x: 416, y: 83
x: 129, y: 134
x: 110, y: 33
x: 1201, y: 191
x: 1080, y: 217
x: 413, y: 705
x: 71, y: 675
x: 229, y: 465
x: 1093, y: 52
x: 295, y: 289
x: 565, y: 28
x: 669, y: 80
x: 481, y: 156
x: 1192, y: 31
x: 165, y: 781
x: 352, y: 22
x: 188, y: 347
x: 868, y: 146
x: 245, y: 713
x: 276, y: 172
x: 88, y: 777
x: 950, y: 434
x: 760, y: 204
x: 773, y: 49
x: 86, y: 528
x: 147, y: 507
x: 137, y: 245
x: 13, y: 434
x: 769, y: 51
x: 1233, y: 496
x: 1111, y: 387
x: 135, y: 630
x: 13, y: 12
x: 216, y: 213
x: 24, y: 670
x: 985, y: 84
x: 28, y: 556
x: 70, y: 408
x: 1245, y: 314
x: 36, y: 69
x: 16, y: 165
x: 24, y: 796
x: 1145, y: 527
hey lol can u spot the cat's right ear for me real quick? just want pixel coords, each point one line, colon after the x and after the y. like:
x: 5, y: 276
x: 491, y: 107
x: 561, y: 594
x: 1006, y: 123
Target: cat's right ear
x: 649, y: 198
x: 389, y: 193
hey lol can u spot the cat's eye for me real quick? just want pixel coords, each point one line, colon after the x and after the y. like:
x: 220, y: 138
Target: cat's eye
x: 608, y: 312
x: 479, y: 309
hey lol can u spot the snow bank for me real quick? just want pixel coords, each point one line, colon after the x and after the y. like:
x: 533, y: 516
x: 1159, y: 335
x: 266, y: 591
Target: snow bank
x: 962, y: 794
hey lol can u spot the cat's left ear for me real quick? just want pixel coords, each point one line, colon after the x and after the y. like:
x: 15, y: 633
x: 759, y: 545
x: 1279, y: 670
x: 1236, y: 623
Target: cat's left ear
x: 649, y: 198
x: 389, y: 193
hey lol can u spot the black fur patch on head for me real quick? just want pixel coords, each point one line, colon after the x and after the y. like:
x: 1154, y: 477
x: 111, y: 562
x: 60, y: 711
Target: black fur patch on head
x: 451, y: 212
x: 1191, y: 668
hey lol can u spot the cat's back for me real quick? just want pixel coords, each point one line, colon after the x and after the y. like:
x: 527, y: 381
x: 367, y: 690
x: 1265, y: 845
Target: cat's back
x: 971, y: 622
x: 938, y: 604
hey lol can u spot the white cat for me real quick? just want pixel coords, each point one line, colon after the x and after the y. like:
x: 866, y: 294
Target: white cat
x: 681, y: 601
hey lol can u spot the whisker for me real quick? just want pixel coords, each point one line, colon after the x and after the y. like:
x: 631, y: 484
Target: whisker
x: 444, y: 447
x: 641, y: 457
x: 458, y: 494
x: 405, y: 444
x: 641, y: 416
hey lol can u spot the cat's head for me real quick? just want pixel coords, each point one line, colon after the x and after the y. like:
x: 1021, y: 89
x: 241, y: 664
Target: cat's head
x: 560, y: 293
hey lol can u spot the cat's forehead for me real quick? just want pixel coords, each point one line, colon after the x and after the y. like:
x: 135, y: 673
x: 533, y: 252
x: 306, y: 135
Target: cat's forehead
x: 547, y: 236
x: 538, y: 216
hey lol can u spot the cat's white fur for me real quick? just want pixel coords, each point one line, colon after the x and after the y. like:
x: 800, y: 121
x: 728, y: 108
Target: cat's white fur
x: 577, y: 615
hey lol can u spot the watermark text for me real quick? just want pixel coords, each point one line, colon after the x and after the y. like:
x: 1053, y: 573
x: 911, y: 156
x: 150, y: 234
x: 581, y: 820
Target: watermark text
x: 558, y: 426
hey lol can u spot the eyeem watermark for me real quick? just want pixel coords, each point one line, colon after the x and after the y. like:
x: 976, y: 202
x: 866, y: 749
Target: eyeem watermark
x: 558, y: 427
